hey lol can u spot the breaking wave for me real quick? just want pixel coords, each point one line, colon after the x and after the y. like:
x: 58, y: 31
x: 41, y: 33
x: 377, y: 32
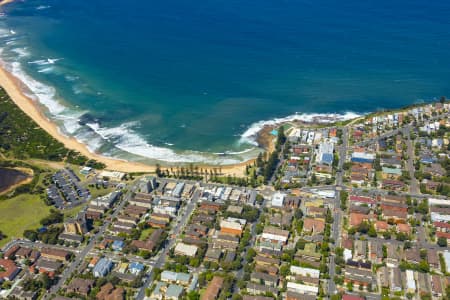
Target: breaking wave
x: 250, y: 135
x: 121, y: 141
x: 125, y: 138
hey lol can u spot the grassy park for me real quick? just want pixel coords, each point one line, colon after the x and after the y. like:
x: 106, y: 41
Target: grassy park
x: 20, y: 213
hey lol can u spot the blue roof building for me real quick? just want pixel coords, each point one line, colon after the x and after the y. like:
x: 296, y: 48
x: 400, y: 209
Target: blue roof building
x: 136, y: 268
x: 103, y: 267
x: 117, y: 245
x: 327, y: 158
x: 427, y: 159
x: 362, y: 160
x: 194, y: 283
x: 170, y: 276
x: 174, y: 292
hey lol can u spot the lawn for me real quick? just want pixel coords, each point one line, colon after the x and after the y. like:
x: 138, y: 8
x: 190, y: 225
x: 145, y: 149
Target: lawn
x: 146, y: 233
x: 20, y: 213
x: 72, y: 212
x: 95, y: 193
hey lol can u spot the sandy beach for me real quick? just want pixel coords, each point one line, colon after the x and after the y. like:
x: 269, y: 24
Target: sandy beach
x: 4, y: 2
x: 13, y: 87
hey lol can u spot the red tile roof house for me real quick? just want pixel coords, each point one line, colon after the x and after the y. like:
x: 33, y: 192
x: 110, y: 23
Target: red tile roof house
x: 356, y: 219
x: 359, y: 200
x: 442, y: 226
x: 8, y: 270
x: 11, y: 252
x: 347, y: 243
x: 396, y: 216
x: 357, y: 179
x: 351, y: 297
x: 392, y: 184
x: 395, y: 207
x: 357, y: 135
x: 446, y: 235
x: 405, y: 228
x: 209, y: 205
x: 381, y: 226
x: 313, y: 226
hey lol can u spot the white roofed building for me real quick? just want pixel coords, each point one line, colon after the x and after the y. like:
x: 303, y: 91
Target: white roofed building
x: 187, y: 250
x: 278, y: 199
x: 307, y: 272
x: 302, y: 288
x: 274, y: 234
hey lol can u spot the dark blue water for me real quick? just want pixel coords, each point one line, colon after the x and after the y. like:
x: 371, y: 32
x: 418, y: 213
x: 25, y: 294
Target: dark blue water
x: 194, y: 75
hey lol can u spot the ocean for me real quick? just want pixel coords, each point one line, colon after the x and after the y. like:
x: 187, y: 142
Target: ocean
x: 193, y: 81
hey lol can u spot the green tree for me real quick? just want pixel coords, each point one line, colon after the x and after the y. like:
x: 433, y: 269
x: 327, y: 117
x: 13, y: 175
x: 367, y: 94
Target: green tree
x: 372, y: 231
x: 442, y: 242
x: 193, y: 295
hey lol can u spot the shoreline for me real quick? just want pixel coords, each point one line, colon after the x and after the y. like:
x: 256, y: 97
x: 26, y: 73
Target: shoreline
x: 4, y: 2
x: 12, y: 86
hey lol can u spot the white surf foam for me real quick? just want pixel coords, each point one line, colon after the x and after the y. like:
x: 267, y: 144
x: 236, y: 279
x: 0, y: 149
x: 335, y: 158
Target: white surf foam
x: 11, y: 42
x: 43, y: 93
x: 126, y: 139
x: 70, y: 120
x: 21, y: 52
x: 47, y: 70
x: 240, y: 152
x: 42, y: 7
x: 123, y: 137
x: 249, y: 136
x: 45, y: 62
x: 92, y: 140
x: 4, y: 33
x: 71, y: 78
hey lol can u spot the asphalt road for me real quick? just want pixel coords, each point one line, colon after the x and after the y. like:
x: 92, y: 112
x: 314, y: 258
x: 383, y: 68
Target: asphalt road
x: 413, y: 184
x: 161, y: 258
x: 79, y: 258
x: 337, y: 211
x: 240, y: 272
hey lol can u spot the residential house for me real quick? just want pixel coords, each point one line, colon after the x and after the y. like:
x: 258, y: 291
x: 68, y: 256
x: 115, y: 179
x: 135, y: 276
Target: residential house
x: 187, y: 250
x: 260, y: 289
x: 55, y: 254
x: 227, y: 242
x: 103, y: 267
x: 232, y: 226
x: 108, y: 292
x: 213, y: 289
x: 274, y: 234
x: 264, y: 278
x: 80, y: 286
x: 8, y: 270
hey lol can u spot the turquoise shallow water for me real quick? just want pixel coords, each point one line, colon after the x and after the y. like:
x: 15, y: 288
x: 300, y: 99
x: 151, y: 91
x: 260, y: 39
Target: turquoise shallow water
x: 181, y: 80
